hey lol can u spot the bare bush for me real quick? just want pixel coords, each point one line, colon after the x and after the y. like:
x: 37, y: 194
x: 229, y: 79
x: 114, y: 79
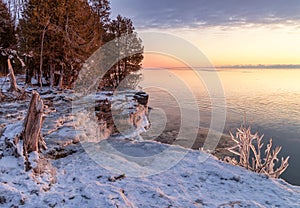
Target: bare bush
x: 249, y: 149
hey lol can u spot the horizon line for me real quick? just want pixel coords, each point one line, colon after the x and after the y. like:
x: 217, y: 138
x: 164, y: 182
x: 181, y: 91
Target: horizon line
x: 242, y: 66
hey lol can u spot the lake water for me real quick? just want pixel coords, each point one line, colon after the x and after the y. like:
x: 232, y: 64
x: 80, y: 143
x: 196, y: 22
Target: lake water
x: 270, y: 99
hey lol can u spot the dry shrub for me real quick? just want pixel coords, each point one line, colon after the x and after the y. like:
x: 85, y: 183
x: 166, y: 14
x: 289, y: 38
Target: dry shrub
x: 249, y: 149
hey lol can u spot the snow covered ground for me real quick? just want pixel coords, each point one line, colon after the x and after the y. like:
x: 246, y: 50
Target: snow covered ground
x: 81, y: 182
x: 118, y: 172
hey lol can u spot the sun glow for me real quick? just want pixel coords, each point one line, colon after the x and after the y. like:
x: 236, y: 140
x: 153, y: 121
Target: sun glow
x: 240, y: 46
x: 160, y: 61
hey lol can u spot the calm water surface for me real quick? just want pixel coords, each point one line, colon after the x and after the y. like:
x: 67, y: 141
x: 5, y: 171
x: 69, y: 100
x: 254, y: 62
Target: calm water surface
x: 270, y: 99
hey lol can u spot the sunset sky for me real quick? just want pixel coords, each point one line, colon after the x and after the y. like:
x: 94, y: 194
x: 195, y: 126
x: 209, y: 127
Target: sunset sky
x: 228, y: 32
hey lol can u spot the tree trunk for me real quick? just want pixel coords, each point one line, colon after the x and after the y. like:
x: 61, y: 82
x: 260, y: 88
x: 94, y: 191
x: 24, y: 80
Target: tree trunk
x: 13, y: 81
x: 29, y: 70
x: 28, y: 78
x: 61, y: 78
x: 52, y: 75
x: 3, y: 65
x: 41, y: 55
x: 31, y: 133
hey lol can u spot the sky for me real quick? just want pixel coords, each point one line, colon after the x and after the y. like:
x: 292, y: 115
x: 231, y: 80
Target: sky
x: 228, y: 32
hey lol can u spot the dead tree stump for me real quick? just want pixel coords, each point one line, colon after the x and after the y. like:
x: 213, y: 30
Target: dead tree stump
x: 31, y: 134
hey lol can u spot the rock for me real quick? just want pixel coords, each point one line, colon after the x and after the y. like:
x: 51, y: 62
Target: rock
x: 124, y: 112
x: 142, y: 98
x: 60, y: 152
x: 2, y: 200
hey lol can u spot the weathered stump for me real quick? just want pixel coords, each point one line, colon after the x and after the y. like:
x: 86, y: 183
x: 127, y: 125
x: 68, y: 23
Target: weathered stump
x: 31, y: 134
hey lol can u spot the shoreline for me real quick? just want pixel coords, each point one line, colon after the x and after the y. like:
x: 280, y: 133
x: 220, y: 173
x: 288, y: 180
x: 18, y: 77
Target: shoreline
x: 169, y: 136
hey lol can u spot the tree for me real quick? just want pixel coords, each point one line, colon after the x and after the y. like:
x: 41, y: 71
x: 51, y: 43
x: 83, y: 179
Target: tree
x: 11, y: 56
x: 7, y: 31
x: 81, y: 37
x: 31, y: 29
x: 7, y: 36
x: 130, y: 51
x: 58, y: 36
x: 102, y: 9
x: 62, y: 34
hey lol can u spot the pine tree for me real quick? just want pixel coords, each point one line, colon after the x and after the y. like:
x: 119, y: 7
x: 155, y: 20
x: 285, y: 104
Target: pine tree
x: 129, y: 48
x: 62, y: 34
x: 81, y: 37
x: 31, y: 29
x: 102, y: 9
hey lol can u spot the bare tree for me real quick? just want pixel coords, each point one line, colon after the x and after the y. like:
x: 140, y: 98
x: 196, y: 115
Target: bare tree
x: 41, y: 54
x: 13, y: 81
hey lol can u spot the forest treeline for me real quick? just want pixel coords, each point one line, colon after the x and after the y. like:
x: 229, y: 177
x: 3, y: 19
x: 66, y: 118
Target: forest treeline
x: 53, y: 39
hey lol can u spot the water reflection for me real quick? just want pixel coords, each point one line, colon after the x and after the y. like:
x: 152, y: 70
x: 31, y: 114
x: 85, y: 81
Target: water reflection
x: 269, y: 97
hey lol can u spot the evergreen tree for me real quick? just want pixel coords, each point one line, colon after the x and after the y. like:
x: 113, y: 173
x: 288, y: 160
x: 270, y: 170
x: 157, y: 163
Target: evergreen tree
x: 58, y: 36
x: 130, y: 52
x: 102, y: 9
x: 80, y: 35
x: 61, y: 33
x: 31, y: 29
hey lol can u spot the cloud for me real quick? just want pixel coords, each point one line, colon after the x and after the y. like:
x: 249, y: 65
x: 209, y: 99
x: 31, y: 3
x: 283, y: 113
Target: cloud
x: 193, y: 13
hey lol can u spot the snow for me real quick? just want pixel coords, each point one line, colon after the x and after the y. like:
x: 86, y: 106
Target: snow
x: 119, y: 172
x: 82, y: 182
x: 13, y: 130
x: 34, y: 81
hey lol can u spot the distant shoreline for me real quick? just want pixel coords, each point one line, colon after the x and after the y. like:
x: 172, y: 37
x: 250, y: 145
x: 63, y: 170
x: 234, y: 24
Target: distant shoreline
x: 233, y: 67
x: 261, y: 66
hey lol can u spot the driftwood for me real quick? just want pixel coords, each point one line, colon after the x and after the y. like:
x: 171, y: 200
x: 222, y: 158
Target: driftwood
x: 31, y: 134
x: 13, y: 81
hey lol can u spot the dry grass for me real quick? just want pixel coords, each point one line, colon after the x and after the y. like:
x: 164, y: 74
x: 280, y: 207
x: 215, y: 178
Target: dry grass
x: 249, y: 149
